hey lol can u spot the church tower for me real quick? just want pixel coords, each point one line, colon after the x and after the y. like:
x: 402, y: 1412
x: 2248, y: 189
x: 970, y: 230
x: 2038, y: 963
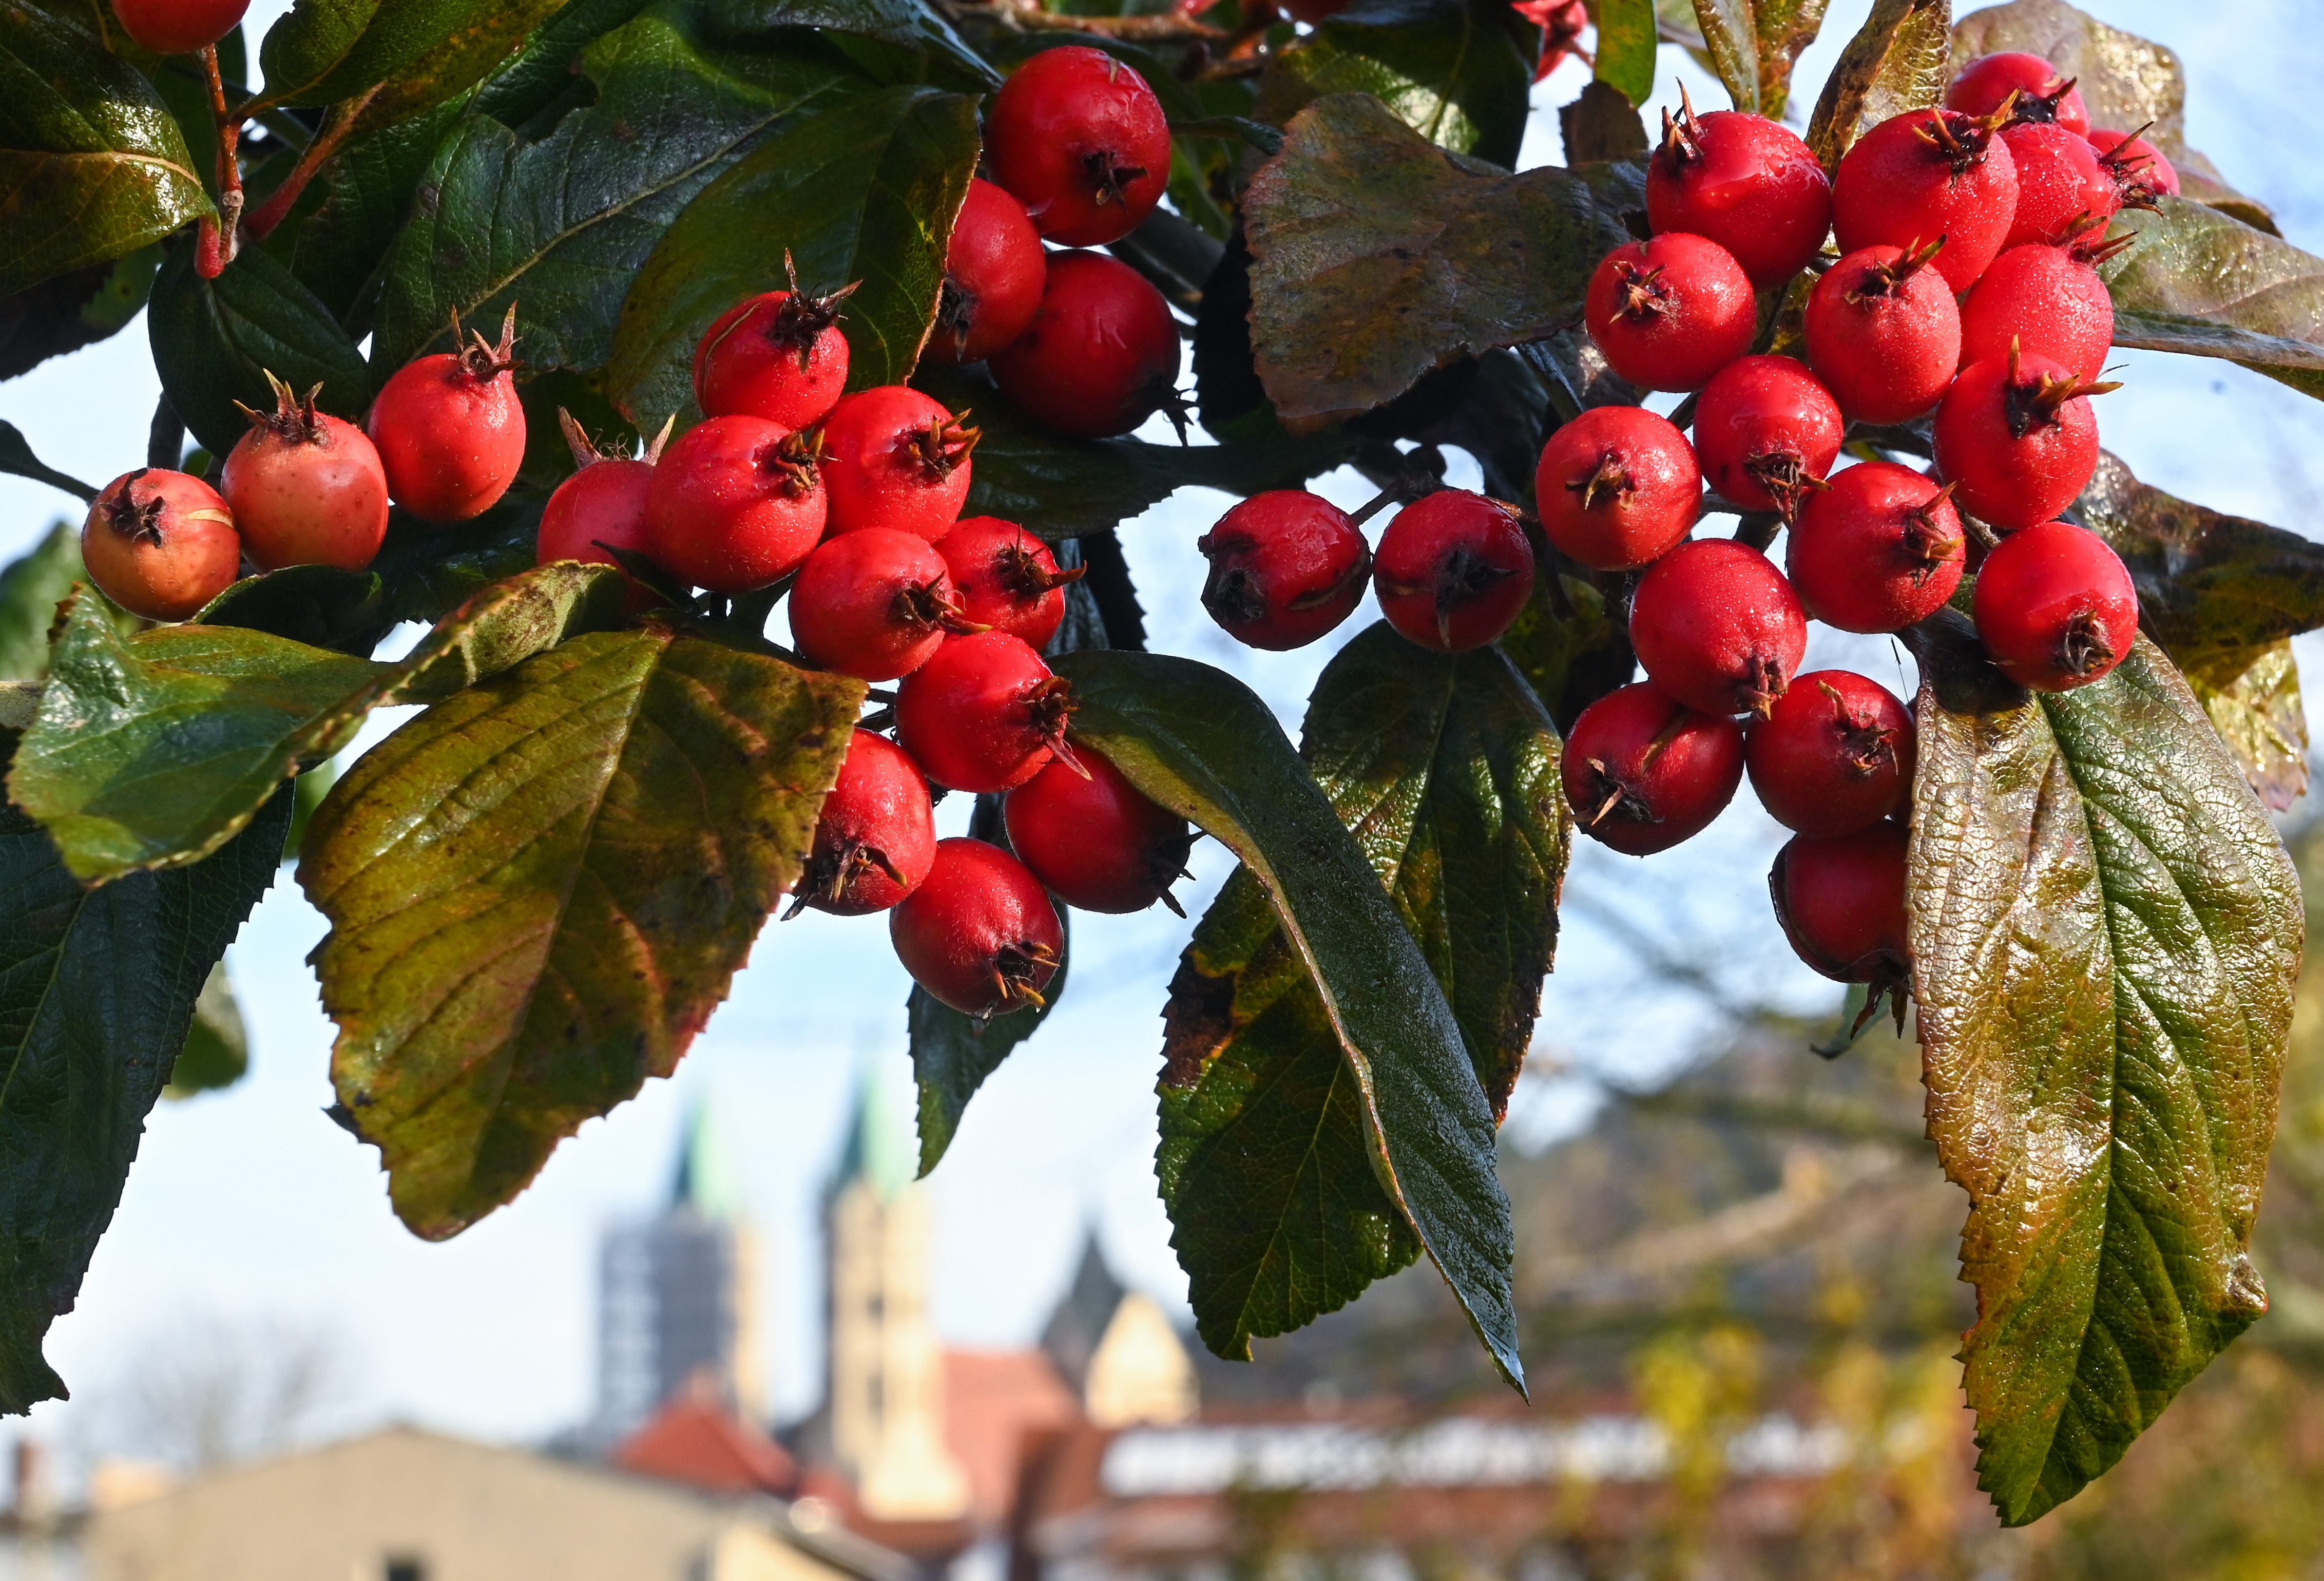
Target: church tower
x: 884, y: 1394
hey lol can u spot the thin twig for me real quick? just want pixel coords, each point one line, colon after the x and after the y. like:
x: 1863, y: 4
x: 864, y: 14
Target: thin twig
x: 336, y: 128
x: 218, y: 239
x: 1020, y: 17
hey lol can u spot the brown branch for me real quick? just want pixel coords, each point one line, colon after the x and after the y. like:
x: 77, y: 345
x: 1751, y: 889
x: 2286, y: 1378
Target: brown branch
x: 1022, y: 16
x: 218, y: 238
x: 336, y: 128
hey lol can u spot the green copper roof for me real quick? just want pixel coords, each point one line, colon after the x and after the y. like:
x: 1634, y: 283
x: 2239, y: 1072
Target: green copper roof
x: 879, y: 1144
x: 706, y: 1179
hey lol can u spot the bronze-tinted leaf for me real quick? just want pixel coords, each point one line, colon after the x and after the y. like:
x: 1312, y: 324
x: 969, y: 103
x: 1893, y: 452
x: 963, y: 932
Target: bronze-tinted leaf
x: 1900, y: 59
x: 2201, y: 281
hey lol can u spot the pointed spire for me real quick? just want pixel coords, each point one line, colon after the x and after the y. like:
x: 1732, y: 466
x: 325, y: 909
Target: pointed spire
x: 881, y: 1151
x: 707, y: 1180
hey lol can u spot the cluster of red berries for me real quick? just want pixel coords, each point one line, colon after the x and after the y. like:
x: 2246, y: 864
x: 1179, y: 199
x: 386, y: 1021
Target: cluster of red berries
x: 1079, y: 151
x: 444, y: 440
x: 1966, y: 286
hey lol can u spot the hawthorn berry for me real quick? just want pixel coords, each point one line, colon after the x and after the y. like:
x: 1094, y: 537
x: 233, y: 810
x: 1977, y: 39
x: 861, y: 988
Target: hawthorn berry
x: 1100, y: 356
x: 1095, y: 839
x: 1841, y: 902
x: 1717, y: 626
x: 2016, y: 437
x: 449, y: 428
x: 2063, y: 183
x: 2049, y: 302
x: 179, y: 27
x: 2055, y: 606
x: 160, y: 543
x: 1452, y: 570
x: 1884, y: 333
x: 1081, y: 140
x: 1006, y: 578
x: 1670, y: 313
x: 2140, y: 160
x: 1923, y: 176
x: 600, y: 508
x: 1643, y: 772
x: 994, y: 268
x: 305, y: 487
x: 1617, y: 487
x: 1985, y: 83
x: 1746, y: 182
x: 734, y: 504
x: 1879, y: 549
x: 983, y: 714
x: 1834, y: 755
x: 1767, y: 433
x: 778, y: 356
x: 876, y: 835
x: 979, y: 933
x: 1286, y: 567
x: 893, y: 457
x: 874, y: 604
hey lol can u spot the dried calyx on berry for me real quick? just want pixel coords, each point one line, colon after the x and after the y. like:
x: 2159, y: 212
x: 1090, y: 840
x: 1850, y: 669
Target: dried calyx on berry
x: 2131, y: 164
x: 294, y: 419
x: 486, y: 360
x: 2037, y: 401
x: 942, y: 446
x: 802, y: 317
x: 1964, y: 140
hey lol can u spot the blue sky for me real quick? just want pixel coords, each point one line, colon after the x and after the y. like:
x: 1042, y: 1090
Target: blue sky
x: 250, y: 1207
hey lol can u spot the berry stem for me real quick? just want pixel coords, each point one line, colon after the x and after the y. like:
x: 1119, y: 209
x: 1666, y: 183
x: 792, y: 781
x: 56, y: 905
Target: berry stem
x: 336, y: 128
x: 218, y: 239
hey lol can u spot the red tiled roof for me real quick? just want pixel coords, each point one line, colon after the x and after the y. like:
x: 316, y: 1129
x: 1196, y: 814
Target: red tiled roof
x: 993, y: 1400
x: 693, y: 1442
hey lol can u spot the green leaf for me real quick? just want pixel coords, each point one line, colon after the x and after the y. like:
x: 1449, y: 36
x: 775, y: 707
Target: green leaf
x: 509, y: 961
x: 1732, y: 37
x: 2126, y: 81
x: 216, y: 1052
x: 1570, y: 645
x: 910, y: 23
x: 16, y: 457
x: 78, y: 307
x: 1450, y: 70
x: 1201, y: 743
x: 1627, y: 38
x: 91, y: 164
x: 1266, y: 1157
x: 426, y: 570
x: 341, y: 248
x: 323, y: 606
x: 1061, y: 488
x: 2222, y: 595
x: 866, y: 191
x: 1900, y: 59
x: 416, y: 52
x: 96, y: 990
x: 2106, y: 932
x: 2201, y: 281
x: 562, y: 226
x: 546, y: 75
x: 214, y: 341
x: 1784, y: 29
x: 32, y: 587
x: 153, y: 751
x: 1377, y: 258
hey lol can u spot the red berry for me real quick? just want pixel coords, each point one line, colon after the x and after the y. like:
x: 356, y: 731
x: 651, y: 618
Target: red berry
x: 1841, y: 902
x: 1767, y: 433
x: 2041, y: 94
x: 1835, y: 756
x: 1718, y: 627
x: 1884, y: 333
x: 2049, y: 302
x: 1561, y: 23
x: 994, y: 271
x: 2055, y: 608
x: 1452, y: 571
x: 603, y: 503
x: 2016, y: 438
x: 1006, y: 578
x: 734, y: 504
x: 984, y: 714
x: 1643, y: 772
x: 449, y: 428
x: 1923, y: 175
x: 2062, y: 185
x: 1095, y: 839
x: 1099, y: 357
x: 1745, y: 183
x: 179, y: 27
x: 979, y: 933
x: 778, y: 356
x: 1879, y: 550
x: 1287, y: 566
x: 305, y: 487
x: 875, y: 605
x: 1082, y: 142
x: 1617, y: 487
x: 161, y: 544
x: 896, y: 458
x: 876, y: 836
x: 1670, y: 313
x: 2137, y: 159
